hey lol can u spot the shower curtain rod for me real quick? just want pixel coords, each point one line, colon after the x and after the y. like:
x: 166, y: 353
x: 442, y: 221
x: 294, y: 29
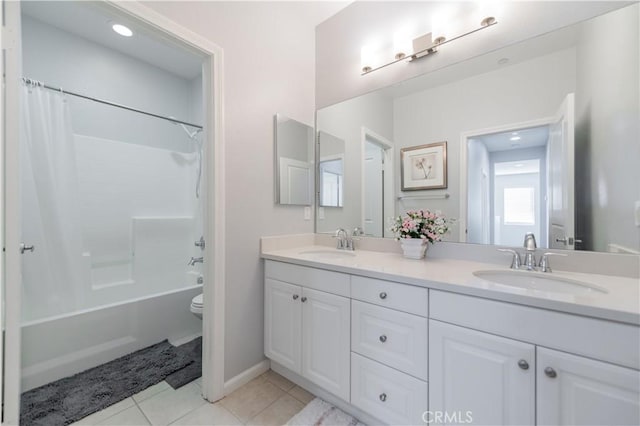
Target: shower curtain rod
x: 102, y: 101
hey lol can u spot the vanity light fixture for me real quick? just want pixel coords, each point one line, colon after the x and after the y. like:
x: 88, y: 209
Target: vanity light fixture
x: 122, y: 30
x: 423, y: 45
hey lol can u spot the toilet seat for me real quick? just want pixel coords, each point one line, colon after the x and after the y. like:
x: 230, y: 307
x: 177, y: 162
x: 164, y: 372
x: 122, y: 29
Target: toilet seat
x: 196, y: 305
x: 197, y: 301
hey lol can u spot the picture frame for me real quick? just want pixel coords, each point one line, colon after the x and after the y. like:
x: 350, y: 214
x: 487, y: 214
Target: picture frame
x: 424, y: 167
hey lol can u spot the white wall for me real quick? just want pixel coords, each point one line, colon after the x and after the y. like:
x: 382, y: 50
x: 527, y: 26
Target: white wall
x: 340, y: 38
x: 345, y: 121
x: 64, y: 60
x: 608, y: 131
x: 269, y: 67
x: 526, y: 91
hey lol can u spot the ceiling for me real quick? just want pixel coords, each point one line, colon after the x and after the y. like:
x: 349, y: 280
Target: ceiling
x: 93, y: 20
x: 529, y: 138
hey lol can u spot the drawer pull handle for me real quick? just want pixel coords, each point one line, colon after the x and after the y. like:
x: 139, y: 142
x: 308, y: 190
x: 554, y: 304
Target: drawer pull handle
x: 383, y: 397
x: 295, y: 297
x: 304, y: 299
x: 383, y: 338
x: 523, y: 364
x: 550, y: 372
x: 383, y: 295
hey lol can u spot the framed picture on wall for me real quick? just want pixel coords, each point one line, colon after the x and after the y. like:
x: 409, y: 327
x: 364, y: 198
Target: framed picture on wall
x: 424, y: 167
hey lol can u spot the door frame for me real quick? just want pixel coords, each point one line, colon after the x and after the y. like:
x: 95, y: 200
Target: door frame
x: 213, y: 203
x: 464, y: 138
x: 388, y: 187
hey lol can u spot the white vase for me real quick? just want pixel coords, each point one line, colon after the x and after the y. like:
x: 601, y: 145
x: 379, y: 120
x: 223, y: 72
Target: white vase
x: 414, y: 248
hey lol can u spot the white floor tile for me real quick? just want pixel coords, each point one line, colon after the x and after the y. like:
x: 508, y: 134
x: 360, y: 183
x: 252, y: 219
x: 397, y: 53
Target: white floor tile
x: 130, y: 417
x: 209, y: 414
x: 151, y: 391
x: 169, y: 405
x: 97, y: 417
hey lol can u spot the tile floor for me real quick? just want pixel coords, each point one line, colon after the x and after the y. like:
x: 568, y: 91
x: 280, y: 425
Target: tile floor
x: 267, y: 400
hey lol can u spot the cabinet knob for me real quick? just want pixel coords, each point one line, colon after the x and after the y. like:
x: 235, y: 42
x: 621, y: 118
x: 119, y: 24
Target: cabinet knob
x: 304, y: 299
x: 383, y: 397
x: 383, y: 295
x: 550, y: 372
x: 295, y: 297
x: 523, y: 364
x: 383, y: 338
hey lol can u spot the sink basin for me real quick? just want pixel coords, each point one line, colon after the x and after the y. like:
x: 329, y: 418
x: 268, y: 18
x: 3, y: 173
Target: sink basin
x: 329, y: 254
x: 538, y: 281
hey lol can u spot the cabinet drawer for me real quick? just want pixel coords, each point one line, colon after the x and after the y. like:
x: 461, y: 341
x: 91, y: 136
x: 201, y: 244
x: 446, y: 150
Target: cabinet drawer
x: 387, y: 394
x: 403, y: 297
x: 595, y: 338
x: 319, y: 279
x: 397, y: 339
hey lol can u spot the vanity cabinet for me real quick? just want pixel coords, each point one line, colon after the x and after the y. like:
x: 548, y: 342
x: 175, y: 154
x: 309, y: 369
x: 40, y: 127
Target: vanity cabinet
x: 574, y: 390
x: 489, y: 377
x: 307, y: 331
x: 515, y: 379
x: 407, y: 354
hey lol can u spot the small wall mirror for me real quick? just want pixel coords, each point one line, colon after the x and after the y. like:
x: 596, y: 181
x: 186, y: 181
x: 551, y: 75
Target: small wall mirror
x: 293, y: 161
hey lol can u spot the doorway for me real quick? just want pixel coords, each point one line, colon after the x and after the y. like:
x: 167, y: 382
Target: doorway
x: 212, y: 197
x: 377, y: 183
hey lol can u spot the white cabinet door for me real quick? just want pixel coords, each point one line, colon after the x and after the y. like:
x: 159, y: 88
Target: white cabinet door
x: 479, y: 376
x: 325, y: 341
x: 283, y: 323
x: 574, y: 390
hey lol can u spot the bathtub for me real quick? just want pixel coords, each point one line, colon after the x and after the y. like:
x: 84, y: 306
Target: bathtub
x: 60, y: 346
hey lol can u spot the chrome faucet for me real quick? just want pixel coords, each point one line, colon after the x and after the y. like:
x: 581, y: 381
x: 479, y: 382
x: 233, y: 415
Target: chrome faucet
x: 346, y: 242
x: 530, y: 247
x: 195, y: 260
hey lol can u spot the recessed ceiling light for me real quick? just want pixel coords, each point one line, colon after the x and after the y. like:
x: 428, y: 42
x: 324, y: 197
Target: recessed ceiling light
x: 122, y: 30
x: 514, y: 138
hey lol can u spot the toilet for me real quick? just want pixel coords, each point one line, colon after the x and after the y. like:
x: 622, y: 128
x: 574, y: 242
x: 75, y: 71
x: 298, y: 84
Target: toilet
x: 196, y: 306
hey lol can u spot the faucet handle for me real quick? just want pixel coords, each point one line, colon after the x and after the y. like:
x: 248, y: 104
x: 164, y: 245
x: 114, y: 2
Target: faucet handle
x: 341, y: 235
x: 544, y: 261
x: 530, y: 242
x: 357, y: 232
x: 515, y: 262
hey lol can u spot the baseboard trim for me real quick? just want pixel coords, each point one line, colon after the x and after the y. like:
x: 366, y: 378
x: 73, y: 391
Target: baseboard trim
x: 246, y: 376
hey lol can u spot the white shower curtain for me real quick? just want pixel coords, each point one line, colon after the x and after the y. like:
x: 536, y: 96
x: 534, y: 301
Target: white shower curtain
x: 53, y: 276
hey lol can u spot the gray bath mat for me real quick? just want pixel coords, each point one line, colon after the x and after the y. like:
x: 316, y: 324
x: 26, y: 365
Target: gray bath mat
x: 70, y: 399
x: 191, y: 350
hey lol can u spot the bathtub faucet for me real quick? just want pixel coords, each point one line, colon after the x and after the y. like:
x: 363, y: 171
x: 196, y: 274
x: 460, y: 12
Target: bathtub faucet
x: 195, y: 260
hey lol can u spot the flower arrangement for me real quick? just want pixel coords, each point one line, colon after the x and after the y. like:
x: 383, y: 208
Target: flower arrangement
x: 421, y: 224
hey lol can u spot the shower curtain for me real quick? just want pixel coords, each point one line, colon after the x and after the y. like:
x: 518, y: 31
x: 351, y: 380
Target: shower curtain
x: 53, y: 276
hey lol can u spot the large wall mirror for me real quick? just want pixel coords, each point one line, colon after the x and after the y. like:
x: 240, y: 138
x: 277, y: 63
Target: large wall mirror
x: 293, y: 161
x: 542, y: 136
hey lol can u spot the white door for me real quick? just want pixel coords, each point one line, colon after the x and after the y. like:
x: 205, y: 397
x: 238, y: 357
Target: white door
x: 489, y: 377
x: 283, y: 323
x: 373, y: 190
x: 560, y: 176
x: 573, y: 390
x: 325, y: 341
x: 11, y: 262
x: 295, y: 182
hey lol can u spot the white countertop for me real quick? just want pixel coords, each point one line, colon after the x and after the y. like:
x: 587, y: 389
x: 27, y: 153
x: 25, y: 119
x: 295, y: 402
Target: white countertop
x: 621, y: 302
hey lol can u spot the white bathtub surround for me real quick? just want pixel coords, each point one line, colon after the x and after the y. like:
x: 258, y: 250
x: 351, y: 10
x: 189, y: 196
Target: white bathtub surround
x: 65, y: 345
